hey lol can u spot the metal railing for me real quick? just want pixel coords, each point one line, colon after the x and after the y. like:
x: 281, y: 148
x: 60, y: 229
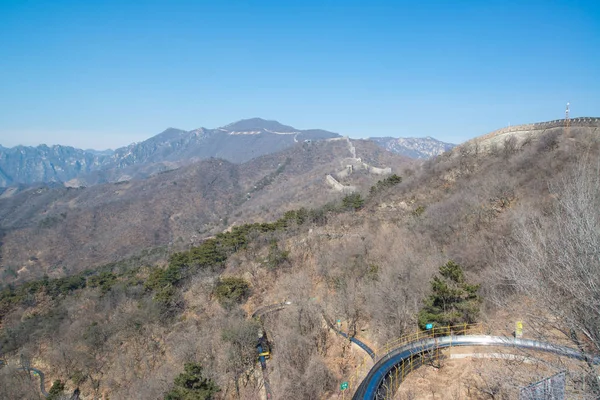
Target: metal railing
x: 402, y: 356
x: 405, y: 368
x: 457, y: 330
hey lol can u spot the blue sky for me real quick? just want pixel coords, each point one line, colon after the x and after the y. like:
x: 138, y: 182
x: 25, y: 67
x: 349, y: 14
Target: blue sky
x: 107, y: 73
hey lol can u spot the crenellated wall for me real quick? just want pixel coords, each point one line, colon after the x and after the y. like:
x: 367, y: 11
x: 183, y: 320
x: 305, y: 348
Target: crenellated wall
x: 558, y: 123
x: 338, y: 186
x: 377, y: 171
x: 344, y: 173
x: 350, y: 165
x: 527, y: 131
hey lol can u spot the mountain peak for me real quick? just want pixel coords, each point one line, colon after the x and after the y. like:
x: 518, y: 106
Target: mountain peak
x: 237, y: 142
x: 255, y: 124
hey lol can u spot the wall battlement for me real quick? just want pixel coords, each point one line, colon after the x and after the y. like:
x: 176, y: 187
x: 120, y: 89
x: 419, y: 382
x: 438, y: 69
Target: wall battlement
x: 592, y: 122
x: 331, y: 181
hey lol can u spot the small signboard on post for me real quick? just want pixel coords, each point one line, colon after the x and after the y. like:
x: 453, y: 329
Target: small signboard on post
x: 519, y: 329
x: 344, y: 386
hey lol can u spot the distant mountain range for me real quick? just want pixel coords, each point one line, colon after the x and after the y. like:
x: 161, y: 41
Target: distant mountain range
x: 238, y: 142
x: 76, y: 228
x: 413, y: 147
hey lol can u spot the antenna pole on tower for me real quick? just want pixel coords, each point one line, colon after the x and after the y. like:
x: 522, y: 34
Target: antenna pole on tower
x: 567, y: 120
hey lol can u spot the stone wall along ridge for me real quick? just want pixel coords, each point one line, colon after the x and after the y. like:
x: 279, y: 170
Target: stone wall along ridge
x: 557, y: 123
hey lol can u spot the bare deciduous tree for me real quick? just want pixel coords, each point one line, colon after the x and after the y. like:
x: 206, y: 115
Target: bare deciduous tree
x: 15, y: 384
x: 555, y: 259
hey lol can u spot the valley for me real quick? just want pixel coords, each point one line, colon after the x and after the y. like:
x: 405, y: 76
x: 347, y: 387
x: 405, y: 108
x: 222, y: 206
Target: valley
x: 238, y: 143
x: 124, y: 290
x: 299, y: 200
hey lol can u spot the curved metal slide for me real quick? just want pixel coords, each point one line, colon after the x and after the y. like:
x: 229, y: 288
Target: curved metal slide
x: 270, y: 308
x: 42, y: 379
x: 258, y: 313
x: 36, y: 372
x: 279, y: 306
x: 357, y: 342
x: 373, y: 382
x: 354, y: 340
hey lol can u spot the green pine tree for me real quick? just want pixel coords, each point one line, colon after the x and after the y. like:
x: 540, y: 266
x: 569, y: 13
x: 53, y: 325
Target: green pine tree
x: 192, y: 385
x: 453, y: 301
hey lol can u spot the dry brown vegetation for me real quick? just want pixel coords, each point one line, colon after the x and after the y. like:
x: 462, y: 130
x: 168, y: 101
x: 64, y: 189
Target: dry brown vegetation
x: 369, y: 267
x: 60, y: 231
x: 486, y: 374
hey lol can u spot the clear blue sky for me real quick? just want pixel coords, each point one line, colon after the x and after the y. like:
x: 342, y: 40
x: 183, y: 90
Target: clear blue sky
x: 107, y: 73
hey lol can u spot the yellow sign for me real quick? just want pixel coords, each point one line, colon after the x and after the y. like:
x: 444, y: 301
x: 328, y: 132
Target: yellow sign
x: 519, y: 329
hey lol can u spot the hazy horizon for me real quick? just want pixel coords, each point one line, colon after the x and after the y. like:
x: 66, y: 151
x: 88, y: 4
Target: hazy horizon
x: 77, y: 135
x: 104, y: 75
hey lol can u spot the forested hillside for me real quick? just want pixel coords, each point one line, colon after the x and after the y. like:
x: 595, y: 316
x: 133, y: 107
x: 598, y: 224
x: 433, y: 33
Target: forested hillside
x: 484, y: 223
x: 59, y: 231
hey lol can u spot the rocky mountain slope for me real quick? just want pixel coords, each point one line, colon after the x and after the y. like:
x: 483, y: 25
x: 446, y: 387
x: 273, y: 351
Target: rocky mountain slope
x: 422, y: 148
x: 75, y: 228
x: 128, y: 330
x: 24, y: 164
x: 238, y: 142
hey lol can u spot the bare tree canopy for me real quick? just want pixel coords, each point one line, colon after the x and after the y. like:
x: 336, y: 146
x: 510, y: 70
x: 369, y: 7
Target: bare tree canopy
x: 554, y: 258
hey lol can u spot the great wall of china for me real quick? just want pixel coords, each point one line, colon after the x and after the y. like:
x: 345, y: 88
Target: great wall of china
x: 354, y: 164
x: 583, y: 122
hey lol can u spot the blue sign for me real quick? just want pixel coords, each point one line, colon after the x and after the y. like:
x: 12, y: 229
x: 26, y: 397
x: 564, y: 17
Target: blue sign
x: 428, y: 326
